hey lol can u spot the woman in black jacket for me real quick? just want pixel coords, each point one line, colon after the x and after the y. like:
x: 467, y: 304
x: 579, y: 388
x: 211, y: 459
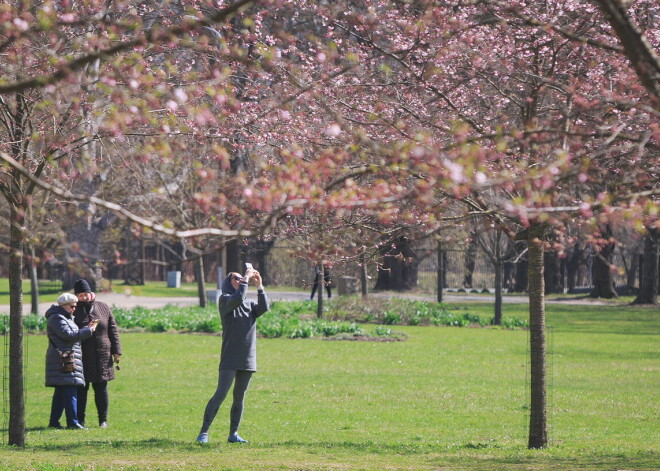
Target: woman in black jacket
x: 64, y: 335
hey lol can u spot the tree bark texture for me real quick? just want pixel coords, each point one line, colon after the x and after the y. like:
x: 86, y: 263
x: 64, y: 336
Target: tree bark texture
x: 576, y: 267
x: 199, y: 275
x: 441, y: 271
x: 364, y: 280
x: 399, y: 268
x: 637, y: 48
x: 552, y: 274
x: 521, y: 276
x: 16, y: 391
x: 538, y: 437
x: 470, y: 261
x: 497, y: 319
x: 601, y: 274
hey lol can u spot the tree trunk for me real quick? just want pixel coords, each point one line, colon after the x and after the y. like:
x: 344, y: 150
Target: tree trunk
x: 364, y: 280
x: 199, y: 275
x: 637, y: 48
x: 399, y: 268
x: 521, y: 281
x: 552, y: 274
x: 470, y: 261
x: 648, y: 283
x: 602, y: 275
x: 441, y: 271
x: 261, y: 249
x: 497, y: 319
x: 16, y: 392
x: 538, y: 437
x: 631, y: 272
x: 233, y: 254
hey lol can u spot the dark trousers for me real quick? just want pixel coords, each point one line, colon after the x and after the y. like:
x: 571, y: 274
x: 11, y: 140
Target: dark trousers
x: 225, y: 380
x: 64, y: 400
x: 100, y: 399
x: 327, y: 281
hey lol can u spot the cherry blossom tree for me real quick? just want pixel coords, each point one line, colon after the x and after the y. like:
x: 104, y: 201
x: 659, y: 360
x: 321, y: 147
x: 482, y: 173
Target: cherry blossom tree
x: 528, y: 113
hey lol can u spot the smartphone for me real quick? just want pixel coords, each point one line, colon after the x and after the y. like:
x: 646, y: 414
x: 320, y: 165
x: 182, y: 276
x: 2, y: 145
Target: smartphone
x: 248, y: 266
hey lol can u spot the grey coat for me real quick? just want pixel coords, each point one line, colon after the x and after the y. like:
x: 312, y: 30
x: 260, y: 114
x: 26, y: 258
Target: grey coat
x: 239, y: 326
x: 63, y: 334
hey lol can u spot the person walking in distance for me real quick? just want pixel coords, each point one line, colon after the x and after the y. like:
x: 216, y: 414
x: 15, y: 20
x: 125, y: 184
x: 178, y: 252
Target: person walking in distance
x: 98, y: 352
x: 238, y: 358
x: 327, y: 279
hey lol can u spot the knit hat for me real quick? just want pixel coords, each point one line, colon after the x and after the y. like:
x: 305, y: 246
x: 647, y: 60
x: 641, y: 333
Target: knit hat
x: 81, y: 286
x: 66, y: 298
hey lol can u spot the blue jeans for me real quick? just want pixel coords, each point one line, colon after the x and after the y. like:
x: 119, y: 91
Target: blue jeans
x: 64, y: 400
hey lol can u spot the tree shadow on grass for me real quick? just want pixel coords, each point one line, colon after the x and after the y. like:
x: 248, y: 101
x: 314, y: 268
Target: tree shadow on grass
x: 155, y: 443
x: 188, y: 445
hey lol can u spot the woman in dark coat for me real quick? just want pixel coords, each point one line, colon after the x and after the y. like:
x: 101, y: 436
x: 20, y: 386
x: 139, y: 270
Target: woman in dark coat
x: 98, y: 352
x: 64, y: 335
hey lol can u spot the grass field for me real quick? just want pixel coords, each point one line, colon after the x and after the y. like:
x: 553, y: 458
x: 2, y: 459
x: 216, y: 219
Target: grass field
x: 444, y: 399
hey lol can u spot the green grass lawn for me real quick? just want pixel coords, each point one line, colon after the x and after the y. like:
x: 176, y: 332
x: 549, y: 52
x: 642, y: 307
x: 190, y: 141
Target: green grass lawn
x: 445, y: 399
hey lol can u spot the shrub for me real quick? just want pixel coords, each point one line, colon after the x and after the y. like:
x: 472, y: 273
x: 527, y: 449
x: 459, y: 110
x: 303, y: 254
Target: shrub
x: 398, y: 311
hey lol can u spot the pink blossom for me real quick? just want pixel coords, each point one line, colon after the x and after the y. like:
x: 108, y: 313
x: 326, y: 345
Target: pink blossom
x: 333, y: 130
x: 67, y: 18
x: 180, y: 95
x: 22, y: 25
x: 455, y: 171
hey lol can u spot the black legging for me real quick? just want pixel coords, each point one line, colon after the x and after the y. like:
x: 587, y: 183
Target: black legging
x: 100, y: 399
x: 225, y: 379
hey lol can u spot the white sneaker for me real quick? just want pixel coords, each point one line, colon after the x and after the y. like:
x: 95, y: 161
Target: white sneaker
x: 234, y: 438
x: 203, y: 438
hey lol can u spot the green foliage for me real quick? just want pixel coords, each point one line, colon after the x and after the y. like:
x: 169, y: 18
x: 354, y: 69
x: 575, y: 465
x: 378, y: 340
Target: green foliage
x: 285, y: 319
x: 170, y: 317
x: 401, y: 311
x: 295, y: 319
x: 31, y: 323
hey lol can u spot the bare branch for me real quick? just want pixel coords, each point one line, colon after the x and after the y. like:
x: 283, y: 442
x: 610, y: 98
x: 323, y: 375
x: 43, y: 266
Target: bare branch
x: 120, y: 211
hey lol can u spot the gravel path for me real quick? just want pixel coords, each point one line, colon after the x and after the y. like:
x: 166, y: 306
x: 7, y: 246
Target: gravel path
x: 129, y: 301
